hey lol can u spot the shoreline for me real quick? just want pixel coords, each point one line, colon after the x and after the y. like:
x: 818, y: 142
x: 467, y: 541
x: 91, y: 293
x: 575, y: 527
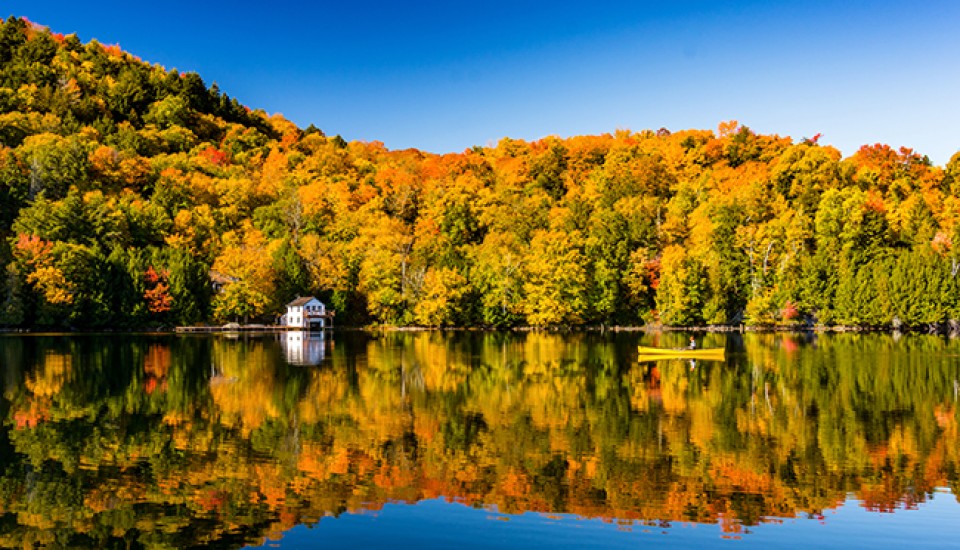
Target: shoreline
x: 942, y: 329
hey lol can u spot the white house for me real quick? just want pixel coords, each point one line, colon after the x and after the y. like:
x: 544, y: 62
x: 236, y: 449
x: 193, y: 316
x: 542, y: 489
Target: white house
x: 307, y: 313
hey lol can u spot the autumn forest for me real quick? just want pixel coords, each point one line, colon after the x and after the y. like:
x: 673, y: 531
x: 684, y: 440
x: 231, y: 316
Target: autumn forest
x: 125, y: 186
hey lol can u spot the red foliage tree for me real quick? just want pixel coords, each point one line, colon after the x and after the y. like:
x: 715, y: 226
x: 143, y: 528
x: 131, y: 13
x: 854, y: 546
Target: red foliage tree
x: 157, y: 294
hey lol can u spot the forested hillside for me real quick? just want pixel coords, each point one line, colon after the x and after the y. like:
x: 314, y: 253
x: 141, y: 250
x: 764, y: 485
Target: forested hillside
x: 124, y: 186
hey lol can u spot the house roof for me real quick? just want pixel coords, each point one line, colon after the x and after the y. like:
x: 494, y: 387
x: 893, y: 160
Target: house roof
x: 301, y: 301
x: 220, y: 278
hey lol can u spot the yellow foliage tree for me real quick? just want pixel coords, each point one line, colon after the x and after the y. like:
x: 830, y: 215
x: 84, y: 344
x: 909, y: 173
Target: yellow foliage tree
x: 245, y: 257
x: 556, y: 279
x: 439, y: 300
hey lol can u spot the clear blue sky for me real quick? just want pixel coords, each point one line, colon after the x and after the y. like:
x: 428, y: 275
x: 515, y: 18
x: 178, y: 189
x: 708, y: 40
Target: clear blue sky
x: 442, y: 75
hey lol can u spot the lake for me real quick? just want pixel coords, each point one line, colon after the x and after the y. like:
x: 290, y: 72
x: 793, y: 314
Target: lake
x: 478, y: 440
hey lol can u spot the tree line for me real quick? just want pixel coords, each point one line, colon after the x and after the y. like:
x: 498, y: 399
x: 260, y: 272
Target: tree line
x: 124, y: 186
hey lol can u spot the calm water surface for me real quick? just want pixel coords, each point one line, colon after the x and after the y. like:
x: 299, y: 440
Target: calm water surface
x: 478, y: 440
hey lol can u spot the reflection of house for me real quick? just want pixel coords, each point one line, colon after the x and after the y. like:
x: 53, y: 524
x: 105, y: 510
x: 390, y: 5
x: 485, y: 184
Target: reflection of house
x: 302, y: 347
x: 307, y: 313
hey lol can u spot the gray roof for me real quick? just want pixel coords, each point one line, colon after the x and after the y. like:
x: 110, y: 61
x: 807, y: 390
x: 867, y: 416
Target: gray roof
x: 220, y: 278
x: 301, y: 301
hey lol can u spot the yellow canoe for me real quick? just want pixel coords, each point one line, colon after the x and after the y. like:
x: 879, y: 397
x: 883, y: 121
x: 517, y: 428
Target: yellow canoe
x: 652, y: 354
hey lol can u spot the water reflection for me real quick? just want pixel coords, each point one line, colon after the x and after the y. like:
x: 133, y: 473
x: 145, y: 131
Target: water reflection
x: 195, y: 440
x: 304, y: 347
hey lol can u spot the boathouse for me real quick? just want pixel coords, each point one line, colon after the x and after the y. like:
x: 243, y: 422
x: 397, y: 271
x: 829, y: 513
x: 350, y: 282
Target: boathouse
x: 307, y: 313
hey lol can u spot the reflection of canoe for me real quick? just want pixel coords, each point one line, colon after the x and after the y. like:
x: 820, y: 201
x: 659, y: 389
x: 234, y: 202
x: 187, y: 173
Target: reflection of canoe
x: 646, y: 358
x: 652, y: 354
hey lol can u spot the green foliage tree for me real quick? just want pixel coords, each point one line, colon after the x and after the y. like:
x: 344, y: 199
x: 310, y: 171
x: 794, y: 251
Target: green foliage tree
x: 683, y: 289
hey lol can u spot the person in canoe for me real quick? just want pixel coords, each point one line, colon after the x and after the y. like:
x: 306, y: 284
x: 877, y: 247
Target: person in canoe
x: 693, y: 343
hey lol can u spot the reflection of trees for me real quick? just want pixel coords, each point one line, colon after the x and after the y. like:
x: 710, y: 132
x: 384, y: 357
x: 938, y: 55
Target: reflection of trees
x: 182, y: 441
